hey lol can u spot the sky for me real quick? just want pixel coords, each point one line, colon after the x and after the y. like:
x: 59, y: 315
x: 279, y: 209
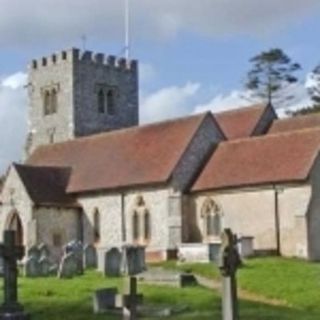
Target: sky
x: 194, y: 55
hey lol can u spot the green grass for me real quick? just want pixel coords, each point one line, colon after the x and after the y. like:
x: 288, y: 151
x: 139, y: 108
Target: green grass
x: 293, y: 281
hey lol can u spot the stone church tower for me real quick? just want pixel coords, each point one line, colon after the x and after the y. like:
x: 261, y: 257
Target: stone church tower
x: 74, y: 94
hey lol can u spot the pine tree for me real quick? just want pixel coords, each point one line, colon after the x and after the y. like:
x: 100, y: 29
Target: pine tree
x: 270, y: 78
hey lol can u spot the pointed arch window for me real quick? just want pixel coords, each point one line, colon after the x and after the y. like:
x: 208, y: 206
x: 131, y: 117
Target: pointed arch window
x: 212, y: 219
x: 54, y: 101
x: 141, y: 222
x: 46, y: 102
x: 101, y: 101
x: 96, y: 225
x: 111, y: 102
x: 135, y: 226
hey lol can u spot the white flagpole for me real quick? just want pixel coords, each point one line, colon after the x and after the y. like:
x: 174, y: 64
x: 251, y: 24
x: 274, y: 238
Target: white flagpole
x: 127, y: 29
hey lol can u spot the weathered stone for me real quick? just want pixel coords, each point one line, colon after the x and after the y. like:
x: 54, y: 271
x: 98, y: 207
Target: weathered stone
x: 135, y: 259
x: 44, y: 251
x: 44, y: 266
x: 34, y: 252
x: 104, y: 300
x: 113, y: 259
x: 32, y: 267
x: 76, y: 248
x: 68, y: 267
x: 89, y: 256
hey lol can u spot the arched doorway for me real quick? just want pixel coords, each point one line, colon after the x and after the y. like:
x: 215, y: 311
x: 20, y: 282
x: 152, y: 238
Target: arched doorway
x: 14, y: 223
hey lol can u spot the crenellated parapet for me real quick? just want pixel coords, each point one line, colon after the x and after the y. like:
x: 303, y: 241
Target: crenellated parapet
x: 76, y: 55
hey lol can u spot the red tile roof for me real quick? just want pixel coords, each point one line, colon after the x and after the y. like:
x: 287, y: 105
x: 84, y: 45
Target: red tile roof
x: 129, y: 157
x: 286, y: 157
x: 295, y: 123
x: 241, y: 122
x: 46, y: 185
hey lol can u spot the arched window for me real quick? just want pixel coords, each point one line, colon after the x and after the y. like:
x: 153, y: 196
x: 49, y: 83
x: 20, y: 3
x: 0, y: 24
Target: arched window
x: 135, y: 226
x: 101, y: 101
x: 212, y: 219
x: 46, y: 103
x: 147, y: 226
x: 54, y: 101
x: 141, y: 222
x: 15, y: 224
x: 96, y: 225
x: 110, y: 102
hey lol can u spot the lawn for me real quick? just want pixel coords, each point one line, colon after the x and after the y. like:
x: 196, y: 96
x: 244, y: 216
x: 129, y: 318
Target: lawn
x: 295, y: 283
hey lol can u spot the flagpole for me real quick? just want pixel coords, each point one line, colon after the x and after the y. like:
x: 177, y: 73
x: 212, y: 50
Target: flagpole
x: 127, y: 29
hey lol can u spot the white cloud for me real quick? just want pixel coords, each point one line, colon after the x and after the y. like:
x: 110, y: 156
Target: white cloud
x: 13, y: 118
x: 33, y: 21
x: 168, y: 102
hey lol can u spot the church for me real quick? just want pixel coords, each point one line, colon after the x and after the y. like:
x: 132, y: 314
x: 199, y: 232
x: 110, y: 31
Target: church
x: 92, y: 173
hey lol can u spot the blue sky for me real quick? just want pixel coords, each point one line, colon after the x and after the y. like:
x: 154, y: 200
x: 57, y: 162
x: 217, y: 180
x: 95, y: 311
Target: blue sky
x: 193, y: 54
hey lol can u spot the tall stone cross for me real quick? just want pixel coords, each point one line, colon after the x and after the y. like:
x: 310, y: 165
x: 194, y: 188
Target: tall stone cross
x: 131, y: 301
x: 229, y: 263
x: 11, y: 308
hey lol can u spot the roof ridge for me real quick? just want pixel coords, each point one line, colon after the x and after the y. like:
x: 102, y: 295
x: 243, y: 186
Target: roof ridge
x: 241, y: 109
x: 271, y: 135
x: 201, y: 115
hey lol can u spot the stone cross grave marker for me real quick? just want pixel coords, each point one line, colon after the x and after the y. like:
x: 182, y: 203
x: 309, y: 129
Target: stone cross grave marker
x: 11, y: 309
x: 229, y: 262
x: 131, y: 301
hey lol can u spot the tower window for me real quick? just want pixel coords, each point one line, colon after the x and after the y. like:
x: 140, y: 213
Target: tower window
x: 101, y: 101
x: 111, y: 102
x: 46, y: 103
x: 54, y: 101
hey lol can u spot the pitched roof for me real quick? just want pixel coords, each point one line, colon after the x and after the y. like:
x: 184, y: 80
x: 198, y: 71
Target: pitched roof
x: 129, y: 157
x: 295, y: 123
x: 286, y: 157
x: 46, y: 185
x: 241, y: 122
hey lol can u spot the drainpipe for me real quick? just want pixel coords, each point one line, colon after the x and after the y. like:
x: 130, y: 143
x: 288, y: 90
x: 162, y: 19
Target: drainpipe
x: 123, y: 220
x: 277, y: 190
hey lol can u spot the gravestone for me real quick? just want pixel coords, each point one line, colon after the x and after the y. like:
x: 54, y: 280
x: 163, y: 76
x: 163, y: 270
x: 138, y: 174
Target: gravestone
x: 11, y: 309
x: 113, y: 260
x: 44, y: 266
x: 134, y: 257
x: 228, y: 265
x: 76, y: 248
x: 34, y: 252
x: 89, y: 256
x: 104, y: 300
x: 43, y: 251
x: 68, y: 267
x: 31, y: 267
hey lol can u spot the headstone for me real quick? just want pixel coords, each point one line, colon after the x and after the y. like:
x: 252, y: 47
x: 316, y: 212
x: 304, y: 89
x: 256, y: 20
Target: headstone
x: 31, y: 267
x: 1, y: 267
x: 228, y: 264
x: 113, y: 259
x: 198, y: 252
x: 104, y: 300
x: 53, y: 270
x: 76, y: 248
x: 90, y: 256
x: 43, y: 251
x: 68, y: 267
x: 135, y: 260
x: 34, y: 252
x: 44, y: 266
x: 11, y: 309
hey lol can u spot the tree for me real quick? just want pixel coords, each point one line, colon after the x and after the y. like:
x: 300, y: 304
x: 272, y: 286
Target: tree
x: 314, y: 93
x: 271, y: 76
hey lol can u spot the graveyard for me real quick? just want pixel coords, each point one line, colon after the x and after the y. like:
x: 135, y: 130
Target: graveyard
x: 269, y: 288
